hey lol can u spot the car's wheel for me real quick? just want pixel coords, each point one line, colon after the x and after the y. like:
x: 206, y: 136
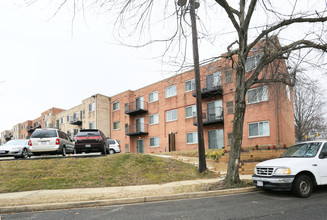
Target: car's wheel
x: 302, y: 186
x: 111, y: 151
x: 64, y: 151
x: 24, y: 153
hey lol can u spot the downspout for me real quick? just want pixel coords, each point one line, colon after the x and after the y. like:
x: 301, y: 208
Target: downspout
x: 276, y: 112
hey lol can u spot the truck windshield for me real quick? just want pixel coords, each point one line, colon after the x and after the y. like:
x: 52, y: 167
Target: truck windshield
x: 303, y: 150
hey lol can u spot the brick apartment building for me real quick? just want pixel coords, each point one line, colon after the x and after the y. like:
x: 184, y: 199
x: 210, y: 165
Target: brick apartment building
x: 162, y: 116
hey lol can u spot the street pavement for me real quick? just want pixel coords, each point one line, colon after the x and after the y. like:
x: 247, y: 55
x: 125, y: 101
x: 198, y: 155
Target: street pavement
x: 40, y: 200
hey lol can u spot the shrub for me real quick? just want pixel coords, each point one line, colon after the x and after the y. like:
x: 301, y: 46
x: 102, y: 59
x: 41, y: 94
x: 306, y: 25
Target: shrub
x: 268, y: 148
x: 256, y: 147
x: 215, y: 155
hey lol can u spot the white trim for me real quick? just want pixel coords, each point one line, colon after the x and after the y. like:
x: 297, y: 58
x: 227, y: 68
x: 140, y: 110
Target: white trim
x: 117, y: 108
x: 257, y: 136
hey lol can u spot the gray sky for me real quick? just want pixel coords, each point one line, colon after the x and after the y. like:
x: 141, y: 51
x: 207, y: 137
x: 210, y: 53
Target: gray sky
x: 48, y: 63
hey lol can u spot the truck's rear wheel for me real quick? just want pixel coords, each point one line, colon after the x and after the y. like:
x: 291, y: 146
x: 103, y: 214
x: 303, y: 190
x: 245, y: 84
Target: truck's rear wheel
x: 302, y: 186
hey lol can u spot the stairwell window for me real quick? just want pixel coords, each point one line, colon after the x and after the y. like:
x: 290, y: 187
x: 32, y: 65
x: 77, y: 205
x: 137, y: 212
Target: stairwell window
x: 115, y: 106
x: 91, y: 107
x: 228, y: 76
x: 256, y: 95
x: 230, y: 107
x: 252, y: 62
x: 116, y: 125
x: 153, y: 96
x: 171, y: 91
x: 190, y: 85
x: 192, y: 138
x: 171, y: 115
x: 259, y: 129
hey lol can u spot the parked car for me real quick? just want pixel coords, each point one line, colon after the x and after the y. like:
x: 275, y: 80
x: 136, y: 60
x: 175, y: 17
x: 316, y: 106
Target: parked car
x: 299, y: 169
x: 50, y: 141
x: 114, y: 146
x: 18, y: 148
x: 91, y: 140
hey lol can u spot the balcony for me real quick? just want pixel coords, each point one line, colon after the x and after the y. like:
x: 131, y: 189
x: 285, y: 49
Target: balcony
x: 8, y: 137
x: 211, y: 86
x: 138, y: 129
x: 211, y: 116
x: 136, y: 108
x: 32, y: 129
x: 76, y: 121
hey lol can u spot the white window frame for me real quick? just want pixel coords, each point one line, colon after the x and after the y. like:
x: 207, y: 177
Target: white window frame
x: 62, y: 120
x: 262, y: 135
x: 255, y: 58
x: 116, y: 123
x: 261, y: 97
x: 115, y: 108
x: 194, y: 137
x: 171, y: 91
x: 192, y: 81
x: 154, y: 95
x: 156, y: 142
x: 170, y: 112
x: 91, y: 107
x: 154, y: 116
x: 193, y: 111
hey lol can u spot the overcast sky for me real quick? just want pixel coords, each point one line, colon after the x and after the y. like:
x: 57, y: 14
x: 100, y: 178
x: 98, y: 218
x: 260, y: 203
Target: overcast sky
x: 45, y: 62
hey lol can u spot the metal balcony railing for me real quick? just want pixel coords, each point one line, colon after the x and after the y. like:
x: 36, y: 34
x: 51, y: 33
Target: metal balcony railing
x: 138, y: 129
x: 136, y: 108
x: 211, y: 116
x: 210, y: 86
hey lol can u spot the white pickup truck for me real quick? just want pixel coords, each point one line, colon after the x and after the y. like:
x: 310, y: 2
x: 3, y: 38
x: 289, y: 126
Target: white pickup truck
x: 299, y: 169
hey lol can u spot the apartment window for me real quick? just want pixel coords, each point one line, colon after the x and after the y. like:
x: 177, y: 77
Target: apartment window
x: 190, y: 111
x: 190, y: 85
x: 229, y: 139
x: 69, y: 117
x: 230, y: 107
x: 115, y: 106
x: 259, y: 94
x: 76, y: 116
x: 153, y: 96
x: 62, y: 120
x: 153, y: 119
x: 92, y: 125
x: 116, y: 125
x: 171, y: 115
x: 171, y: 91
x: 228, y: 76
x: 259, y: 129
x: 192, y: 138
x: 252, y: 62
x: 154, y: 142
x: 91, y: 107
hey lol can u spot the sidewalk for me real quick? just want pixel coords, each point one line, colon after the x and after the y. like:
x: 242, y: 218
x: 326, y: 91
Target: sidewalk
x: 87, y: 197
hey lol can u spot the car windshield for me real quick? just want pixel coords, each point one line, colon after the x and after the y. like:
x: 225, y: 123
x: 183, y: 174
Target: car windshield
x: 16, y: 142
x: 44, y: 134
x: 303, y: 150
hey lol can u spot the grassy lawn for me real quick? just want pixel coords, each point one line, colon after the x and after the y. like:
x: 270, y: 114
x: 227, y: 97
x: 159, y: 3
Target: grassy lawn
x: 113, y: 170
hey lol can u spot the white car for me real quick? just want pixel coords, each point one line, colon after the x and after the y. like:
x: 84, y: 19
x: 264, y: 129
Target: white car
x: 114, y: 146
x: 299, y: 169
x: 18, y: 148
x: 50, y: 141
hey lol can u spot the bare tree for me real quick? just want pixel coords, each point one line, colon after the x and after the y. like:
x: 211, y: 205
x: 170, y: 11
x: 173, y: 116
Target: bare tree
x: 309, y: 109
x: 138, y: 17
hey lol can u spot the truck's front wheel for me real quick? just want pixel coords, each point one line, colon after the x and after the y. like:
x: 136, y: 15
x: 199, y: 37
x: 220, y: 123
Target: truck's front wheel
x: 302, y: 186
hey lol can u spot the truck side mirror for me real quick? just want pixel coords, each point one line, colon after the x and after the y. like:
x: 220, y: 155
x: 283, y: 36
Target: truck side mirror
x: 323, y: 155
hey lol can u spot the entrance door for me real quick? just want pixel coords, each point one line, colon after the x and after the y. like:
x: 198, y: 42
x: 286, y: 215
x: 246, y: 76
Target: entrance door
x: 139, y: 125
x: 140, y: 146
x: 216, y: 139
x: 172, y: 146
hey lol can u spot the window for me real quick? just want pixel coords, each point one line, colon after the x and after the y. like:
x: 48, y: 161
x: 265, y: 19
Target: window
x: 252, y: 62
x: 91, y: 107
x: 116, y: 125
x: 228, y: 76
x: 115, y: 106
x: 153, y: 119
x: 230, y: 107
x: 190, y: 111
x: 92, y: 125
x: 75, y: 116
x: 213, y: 80
x: 190, y: 85
x: 153, y: 96
x: 171, y: 91
x: 69, y: 117
x: 229, y: 139
x: 192, y: 138
x: 171, y: 115
x: 62, y: 120
x: 154, y: 142
x: 259, y: 129
x: 259, y: 94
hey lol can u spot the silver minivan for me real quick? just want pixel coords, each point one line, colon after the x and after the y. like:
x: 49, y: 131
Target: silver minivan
x: 50, y: 141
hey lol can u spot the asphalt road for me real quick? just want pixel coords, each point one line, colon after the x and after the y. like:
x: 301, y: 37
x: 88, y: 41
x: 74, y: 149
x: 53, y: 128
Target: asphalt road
x: 258, y: 205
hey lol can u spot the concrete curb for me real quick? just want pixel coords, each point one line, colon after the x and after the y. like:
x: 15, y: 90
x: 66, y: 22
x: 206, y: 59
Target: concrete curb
x: 124, y: 201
